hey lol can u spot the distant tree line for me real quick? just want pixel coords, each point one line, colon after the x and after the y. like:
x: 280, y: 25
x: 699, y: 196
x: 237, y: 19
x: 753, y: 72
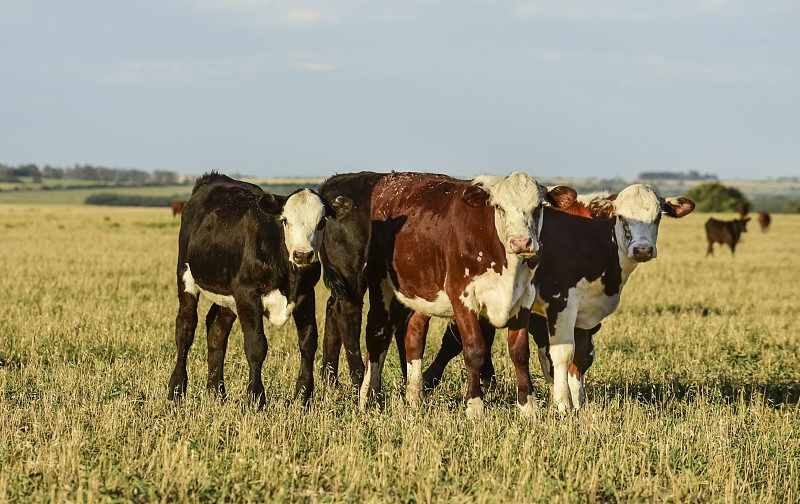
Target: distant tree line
x: 666, y: 175
x: 121, y: 176
x: 715, y: 197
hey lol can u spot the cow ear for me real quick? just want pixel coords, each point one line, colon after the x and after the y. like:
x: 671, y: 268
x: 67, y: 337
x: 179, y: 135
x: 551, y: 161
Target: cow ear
x: 475, y: 196
x: 341, y: 206
x: 561, y: 196
x: 678, y: 207
x: 601, y: 209
x: 272, y: 203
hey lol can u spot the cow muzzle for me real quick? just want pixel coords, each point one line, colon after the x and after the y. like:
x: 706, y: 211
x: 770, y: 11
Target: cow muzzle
x: 522, y: 246
x: 303, y: 257
x: 643, y: 253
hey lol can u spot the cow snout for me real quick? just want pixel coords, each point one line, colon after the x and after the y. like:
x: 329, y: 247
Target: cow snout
x: 302, y: 257
x: 642, y: 253
x: 522, y: 246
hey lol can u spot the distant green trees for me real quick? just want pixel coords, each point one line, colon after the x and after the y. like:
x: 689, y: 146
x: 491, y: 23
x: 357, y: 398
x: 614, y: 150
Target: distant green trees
x: 715, y: 197
x: 113, y: 199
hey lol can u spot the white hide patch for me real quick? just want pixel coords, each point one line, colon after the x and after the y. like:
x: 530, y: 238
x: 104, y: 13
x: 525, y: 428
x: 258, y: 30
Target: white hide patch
x: 499, y: 296
x: 414, y: 385
x: 276, y: 306
x: 302, y: 214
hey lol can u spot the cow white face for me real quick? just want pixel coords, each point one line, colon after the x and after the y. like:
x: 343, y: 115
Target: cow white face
x: 303, y: 219
x: 638, y: 211
x: 517, y: 200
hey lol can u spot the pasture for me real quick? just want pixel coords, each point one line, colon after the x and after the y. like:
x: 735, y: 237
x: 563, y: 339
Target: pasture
x: 693, y: 396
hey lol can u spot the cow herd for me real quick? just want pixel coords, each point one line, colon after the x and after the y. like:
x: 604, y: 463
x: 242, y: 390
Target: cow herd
x: 491, y: 252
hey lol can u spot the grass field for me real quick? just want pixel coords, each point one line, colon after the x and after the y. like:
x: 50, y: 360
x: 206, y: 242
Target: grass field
x: 693, y: 396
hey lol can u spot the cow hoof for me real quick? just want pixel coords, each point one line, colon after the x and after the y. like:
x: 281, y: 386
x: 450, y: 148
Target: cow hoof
x: 530, y: 409
x: 475, y: 409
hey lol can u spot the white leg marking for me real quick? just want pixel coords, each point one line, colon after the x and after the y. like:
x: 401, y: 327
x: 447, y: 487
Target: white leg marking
x: 475, y: 408
x: 530, y: 410
x: 414, y: 386
x: 362, y: 393
x: 562, y: 357
x: 544, y: 362
x: 576, y: 390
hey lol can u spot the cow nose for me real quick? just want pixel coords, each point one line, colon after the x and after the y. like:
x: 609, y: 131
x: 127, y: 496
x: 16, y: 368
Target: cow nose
x: 302, y: 256
x: 643, y: 253
x: 521, y: 245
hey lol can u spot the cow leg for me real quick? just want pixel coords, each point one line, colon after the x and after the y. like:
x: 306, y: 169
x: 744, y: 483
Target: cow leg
x: 185, y: 325
x: 331, y: 343
x: 343, y: 327
x: 219, y: 322
x: 520, y: 355
x: 414, y: 349
x: 474, y: 354
x: 733, y: 248
x: 710, y: 250
x: 378, y: 338
x: 451, y: 347
x: 306, y: 322
x: 583, y: 358
x: 537, y: 326
x: 400, y: 316
x: 251, y: 318
x: 346, y: 318
x: 561, y: 326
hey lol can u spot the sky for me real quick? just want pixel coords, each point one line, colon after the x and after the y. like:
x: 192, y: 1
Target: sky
x: 309, y: 88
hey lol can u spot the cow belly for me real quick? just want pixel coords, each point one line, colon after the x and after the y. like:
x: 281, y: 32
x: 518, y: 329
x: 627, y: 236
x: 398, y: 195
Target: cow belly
x: 439, y: 307
x: 276, y: 306
x: 594, y: 305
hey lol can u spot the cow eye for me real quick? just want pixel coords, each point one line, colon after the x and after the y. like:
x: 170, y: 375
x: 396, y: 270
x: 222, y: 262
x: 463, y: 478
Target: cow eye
x: 284, y: 221
x: 497, y: 206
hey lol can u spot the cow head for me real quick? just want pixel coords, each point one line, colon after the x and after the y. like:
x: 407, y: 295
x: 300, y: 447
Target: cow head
x: 638, y: 211
x: 741, y: 225
x: 303, y: 215
x: 517, y: 200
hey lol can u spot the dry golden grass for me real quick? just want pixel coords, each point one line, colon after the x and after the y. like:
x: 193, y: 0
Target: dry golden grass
x: 693, y: 396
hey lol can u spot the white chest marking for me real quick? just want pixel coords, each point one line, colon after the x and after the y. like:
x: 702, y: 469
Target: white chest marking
x: 276, y: 306
x: 499, y: 296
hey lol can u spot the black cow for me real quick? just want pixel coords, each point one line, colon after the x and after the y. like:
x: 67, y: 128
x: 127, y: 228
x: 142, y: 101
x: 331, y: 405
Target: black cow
x: 724, y: 232
x: 253, y: 254
x: 764, y: 220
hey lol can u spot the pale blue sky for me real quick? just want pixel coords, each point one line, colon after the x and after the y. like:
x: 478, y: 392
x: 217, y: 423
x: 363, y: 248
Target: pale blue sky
x: 315, y: 87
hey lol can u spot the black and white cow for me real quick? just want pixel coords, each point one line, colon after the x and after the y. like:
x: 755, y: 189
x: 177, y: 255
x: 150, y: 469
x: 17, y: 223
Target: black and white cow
x: 252, y: 254
x: 584, y: 266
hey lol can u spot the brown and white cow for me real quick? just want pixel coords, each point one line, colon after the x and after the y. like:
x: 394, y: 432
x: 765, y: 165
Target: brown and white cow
x: 253, y: 255
x: 459, y: 250
x: 583, y: 267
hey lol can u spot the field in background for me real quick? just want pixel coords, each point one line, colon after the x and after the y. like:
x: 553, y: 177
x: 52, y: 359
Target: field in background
x: 693, y: 395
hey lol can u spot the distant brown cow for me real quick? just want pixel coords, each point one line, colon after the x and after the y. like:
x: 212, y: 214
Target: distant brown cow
x: 743, y: 208
x: 177, y: 207
x: 764, y: 220
x: 727, y: 232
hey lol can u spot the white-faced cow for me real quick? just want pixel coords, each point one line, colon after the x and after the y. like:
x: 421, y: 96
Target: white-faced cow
x: 583, y: 268
x: 459, y: 250
x: 253, y: 254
